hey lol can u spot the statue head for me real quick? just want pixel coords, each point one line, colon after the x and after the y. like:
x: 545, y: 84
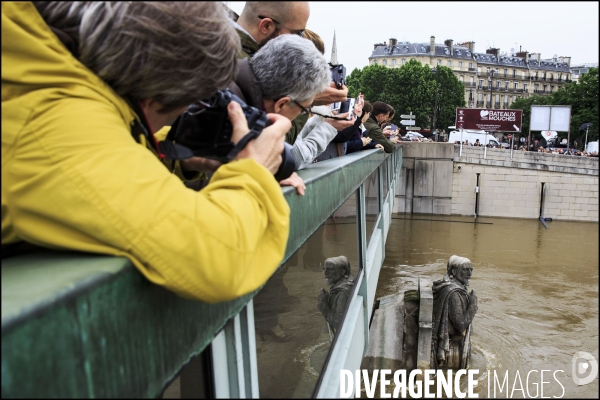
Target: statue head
x: 336, y: 269
x: 460, y: 269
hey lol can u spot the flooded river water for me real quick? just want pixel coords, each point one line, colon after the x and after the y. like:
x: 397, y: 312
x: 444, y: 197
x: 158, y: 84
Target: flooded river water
x: 537, y: 294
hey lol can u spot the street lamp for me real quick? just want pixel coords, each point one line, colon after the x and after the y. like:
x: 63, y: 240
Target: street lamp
x: 585, y: 126
x: 437, y: 80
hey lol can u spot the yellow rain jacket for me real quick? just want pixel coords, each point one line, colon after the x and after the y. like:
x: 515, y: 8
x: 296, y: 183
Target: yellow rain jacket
x: 74, y: 178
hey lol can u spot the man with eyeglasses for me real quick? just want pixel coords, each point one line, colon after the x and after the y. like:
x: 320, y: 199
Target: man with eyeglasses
x: 261, y: 21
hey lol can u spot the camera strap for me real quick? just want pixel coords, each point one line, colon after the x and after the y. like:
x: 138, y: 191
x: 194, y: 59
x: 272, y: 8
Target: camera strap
x: 241, y: 144
x: 175, y: 151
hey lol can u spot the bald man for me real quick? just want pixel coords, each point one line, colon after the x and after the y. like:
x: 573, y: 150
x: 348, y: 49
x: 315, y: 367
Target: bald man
x: 261, y: 21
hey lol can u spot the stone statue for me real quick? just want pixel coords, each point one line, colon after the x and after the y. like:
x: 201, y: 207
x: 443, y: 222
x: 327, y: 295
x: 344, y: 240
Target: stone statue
x: 453, y: 311
x: 333, y: 304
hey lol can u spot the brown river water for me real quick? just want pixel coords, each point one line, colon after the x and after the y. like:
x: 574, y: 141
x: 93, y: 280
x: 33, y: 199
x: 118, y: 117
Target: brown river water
x: 537, y: 294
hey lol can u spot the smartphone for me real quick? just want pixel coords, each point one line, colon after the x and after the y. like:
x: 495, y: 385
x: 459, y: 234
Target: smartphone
x: 348, y: 107
x: 394, y: 128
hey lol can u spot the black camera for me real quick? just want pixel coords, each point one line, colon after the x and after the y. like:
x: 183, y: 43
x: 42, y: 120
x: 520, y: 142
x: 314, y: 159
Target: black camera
x: 205, y: 130
x: 338, y: 75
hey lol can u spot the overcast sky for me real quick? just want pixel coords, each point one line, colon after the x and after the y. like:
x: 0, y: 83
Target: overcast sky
x: 567, y: 29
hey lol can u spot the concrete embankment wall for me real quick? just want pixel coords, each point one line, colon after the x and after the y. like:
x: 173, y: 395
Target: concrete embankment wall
x: 437, y: 179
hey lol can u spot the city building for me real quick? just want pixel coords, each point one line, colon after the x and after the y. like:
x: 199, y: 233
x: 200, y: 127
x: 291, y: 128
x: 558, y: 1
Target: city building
x: 493, y: 79
x: 578, y: 70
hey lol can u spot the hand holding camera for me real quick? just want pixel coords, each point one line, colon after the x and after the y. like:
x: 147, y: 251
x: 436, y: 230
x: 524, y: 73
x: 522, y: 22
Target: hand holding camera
x: 359, y: 104
x: 267, y: 148
x: 224, y: 128
x: 330, y: 95
x: 342, y: 122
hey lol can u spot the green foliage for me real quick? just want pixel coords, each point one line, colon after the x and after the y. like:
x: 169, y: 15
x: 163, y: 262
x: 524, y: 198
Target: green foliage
x: 525, y: 104
x: 410, y: 88
x: 582, y: 96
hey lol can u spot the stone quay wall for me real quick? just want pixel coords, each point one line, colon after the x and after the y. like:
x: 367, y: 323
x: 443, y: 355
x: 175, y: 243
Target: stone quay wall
x: 438, y: 179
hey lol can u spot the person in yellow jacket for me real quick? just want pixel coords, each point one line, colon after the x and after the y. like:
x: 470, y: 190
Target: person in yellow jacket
x: 73, y: 175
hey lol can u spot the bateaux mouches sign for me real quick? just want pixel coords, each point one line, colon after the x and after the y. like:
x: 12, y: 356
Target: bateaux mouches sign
x: 489, y: 119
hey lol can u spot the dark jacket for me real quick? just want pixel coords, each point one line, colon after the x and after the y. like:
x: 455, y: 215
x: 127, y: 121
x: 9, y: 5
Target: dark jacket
x: 374, y: 132
x: 245, y: 85
x: 249, y: 45
x: 355, y: 143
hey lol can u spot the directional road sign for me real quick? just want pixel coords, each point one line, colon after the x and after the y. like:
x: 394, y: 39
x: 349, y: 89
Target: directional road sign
x: 413, y: 128
x: 408, y: 116
x: 407, y: 122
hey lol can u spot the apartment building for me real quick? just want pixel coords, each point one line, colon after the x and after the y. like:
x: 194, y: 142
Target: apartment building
x: 579, y: 70
x: 492, y: 79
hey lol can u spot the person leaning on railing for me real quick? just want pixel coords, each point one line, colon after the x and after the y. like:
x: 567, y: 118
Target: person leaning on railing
x: 379, y: 115
x: 284, y: 77
x: 81, y: 168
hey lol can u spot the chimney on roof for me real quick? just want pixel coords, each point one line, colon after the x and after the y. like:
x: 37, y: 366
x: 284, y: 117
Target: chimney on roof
x: 468, y: 45
x: 432, y: 45
x: 450, y: 43
x: 393, y: 42
x: 493, y: 51
x: 522, y: 54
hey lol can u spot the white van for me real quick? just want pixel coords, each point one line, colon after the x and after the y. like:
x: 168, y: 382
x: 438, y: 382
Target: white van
x: 472, y: 135
x: 592, y: 146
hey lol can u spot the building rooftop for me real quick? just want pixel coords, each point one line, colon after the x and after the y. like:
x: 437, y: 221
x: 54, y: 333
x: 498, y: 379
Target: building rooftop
x: 461, y: 52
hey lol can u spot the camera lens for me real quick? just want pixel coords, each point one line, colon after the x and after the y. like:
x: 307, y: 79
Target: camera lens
x: 288, y: 165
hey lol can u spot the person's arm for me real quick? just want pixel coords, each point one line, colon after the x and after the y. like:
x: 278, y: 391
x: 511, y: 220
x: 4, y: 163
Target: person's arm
x: 375, y: 133
x: 330, y: 95
x: 104, y: 193
x: 312, y: 141
x: 354, y: 145
x: 347, y: 133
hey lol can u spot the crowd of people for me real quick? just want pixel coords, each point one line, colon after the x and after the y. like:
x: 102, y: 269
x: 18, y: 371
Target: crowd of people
x: 540, y: 149
x: 90, y: 91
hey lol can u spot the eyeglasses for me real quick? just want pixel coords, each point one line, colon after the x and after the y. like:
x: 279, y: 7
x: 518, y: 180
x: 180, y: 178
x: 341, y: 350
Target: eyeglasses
x: 305, y: 111
x: 299, y: 32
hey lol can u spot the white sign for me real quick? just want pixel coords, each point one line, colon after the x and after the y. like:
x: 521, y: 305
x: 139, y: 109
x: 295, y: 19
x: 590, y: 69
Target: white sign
x: 550, y: 118
x: 413, y: 128
x: 540, y: 118
x: 560, y: 118
x: 407, y: 116
x: 407, y: 122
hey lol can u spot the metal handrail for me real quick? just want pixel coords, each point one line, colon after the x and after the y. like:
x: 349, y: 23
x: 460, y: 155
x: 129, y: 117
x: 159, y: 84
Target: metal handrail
x: 140, y: 335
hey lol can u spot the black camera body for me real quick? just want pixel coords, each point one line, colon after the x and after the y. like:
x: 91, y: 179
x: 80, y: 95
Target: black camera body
x: 205, y: 129
x: 338, y: 74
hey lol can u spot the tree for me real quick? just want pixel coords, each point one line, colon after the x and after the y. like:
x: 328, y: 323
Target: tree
x: 451, y: 94
x: 525, y: 104
x: 582, y: 96
x: 410, y: 88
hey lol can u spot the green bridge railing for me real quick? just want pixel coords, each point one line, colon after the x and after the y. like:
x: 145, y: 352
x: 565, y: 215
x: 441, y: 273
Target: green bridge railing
x: 84, y: 325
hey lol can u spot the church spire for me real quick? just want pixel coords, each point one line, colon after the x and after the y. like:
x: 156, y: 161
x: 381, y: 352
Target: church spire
x: 334, y: 59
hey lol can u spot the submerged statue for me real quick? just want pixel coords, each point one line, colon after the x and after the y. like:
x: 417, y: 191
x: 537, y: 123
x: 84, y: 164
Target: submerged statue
x: 333, y: 303
x: 453, y: 311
